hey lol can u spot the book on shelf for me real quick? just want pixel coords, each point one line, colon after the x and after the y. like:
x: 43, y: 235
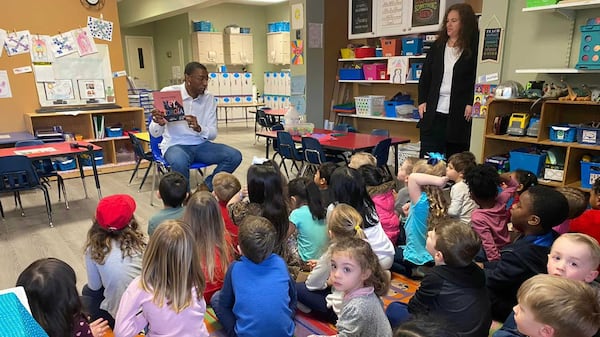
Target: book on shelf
x: 98, y: 126
x: 170, y: 104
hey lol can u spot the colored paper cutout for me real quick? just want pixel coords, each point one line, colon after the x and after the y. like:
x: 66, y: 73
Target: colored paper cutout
x: 17, y: 43
x: 297, y: 52
x: 40, y: 49
x: 100, y: 29
x: 85, y: 41
x: 62, y: 44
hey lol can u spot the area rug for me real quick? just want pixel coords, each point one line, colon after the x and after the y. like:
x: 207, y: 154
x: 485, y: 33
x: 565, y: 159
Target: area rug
x: 401, y: 289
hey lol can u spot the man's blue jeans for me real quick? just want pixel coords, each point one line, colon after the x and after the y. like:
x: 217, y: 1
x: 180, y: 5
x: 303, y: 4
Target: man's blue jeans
x: 180, y: 157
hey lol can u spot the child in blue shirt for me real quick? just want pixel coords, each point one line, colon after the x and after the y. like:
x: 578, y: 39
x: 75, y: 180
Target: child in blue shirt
x: 173, y: 191
x: 258, y: 297
x: 308, y: 218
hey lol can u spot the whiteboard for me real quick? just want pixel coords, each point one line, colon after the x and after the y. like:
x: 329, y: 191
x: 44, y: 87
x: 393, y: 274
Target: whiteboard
x: 81, y: 72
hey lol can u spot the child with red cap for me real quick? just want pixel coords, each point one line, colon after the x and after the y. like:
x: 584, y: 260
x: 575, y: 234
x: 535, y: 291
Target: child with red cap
x: 113, y: 255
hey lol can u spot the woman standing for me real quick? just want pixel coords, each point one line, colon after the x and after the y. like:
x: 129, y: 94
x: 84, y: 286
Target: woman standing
x: 447, y: 83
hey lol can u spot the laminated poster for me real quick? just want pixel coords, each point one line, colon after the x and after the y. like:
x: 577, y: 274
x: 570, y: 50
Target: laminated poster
x: 481, y: 99
x: 4, y: 85
x: 297, y: 52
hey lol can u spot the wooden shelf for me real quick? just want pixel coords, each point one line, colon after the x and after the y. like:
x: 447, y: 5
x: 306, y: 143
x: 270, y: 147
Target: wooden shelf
x: 400, y: 119
x: 557, y: 71
x: 380, y: 58
x: 566, y: 8
x: 366, y: 81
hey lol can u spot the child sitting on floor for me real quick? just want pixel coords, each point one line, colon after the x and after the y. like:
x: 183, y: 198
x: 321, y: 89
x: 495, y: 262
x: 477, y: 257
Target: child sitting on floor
x: 355, y: 270
x: 552, y: 306
x: 172, y: 189
x: 259, y: 279
x: 589, y: 222
x: 578, y: 203
x: 539, y: 209
x: 461, y: 204
x: 321, y: 178
x: 225, y: 187
x: 380, y: 188
x: 490, y: 220
x: 454, y: 290
x: 166, y: 299
x: 362, y: 158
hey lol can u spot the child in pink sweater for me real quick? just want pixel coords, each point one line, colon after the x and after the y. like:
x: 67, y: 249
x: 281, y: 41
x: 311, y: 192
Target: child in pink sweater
x: 491, y: 218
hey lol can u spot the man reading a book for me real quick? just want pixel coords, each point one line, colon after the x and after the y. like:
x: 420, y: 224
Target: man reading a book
x: 190, y: 140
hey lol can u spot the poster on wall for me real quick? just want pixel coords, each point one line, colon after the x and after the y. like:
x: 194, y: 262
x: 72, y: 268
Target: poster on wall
x: 4, y: 85
x: 491, y: 45
x: 17, y: 43
x: 59, y: 90
x: 297, y: 16
x: 361, y: 14
x: 40, y: 49
x: 297, y: 52
x: 91, y: 89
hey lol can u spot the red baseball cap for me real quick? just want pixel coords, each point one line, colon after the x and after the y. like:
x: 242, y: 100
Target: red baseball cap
x: 115, y: 212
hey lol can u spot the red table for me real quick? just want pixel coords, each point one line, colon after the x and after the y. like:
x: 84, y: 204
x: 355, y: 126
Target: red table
x: 50, y: 150
x: 351, y: 141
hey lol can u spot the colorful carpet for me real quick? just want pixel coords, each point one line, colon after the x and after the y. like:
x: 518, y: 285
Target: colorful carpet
x: 401, y: 289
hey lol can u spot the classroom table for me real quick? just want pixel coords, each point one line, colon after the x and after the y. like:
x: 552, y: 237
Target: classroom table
x: 50, y: 150
x: 244, y: 106
x: 277, y: 113
x: 350, y: 141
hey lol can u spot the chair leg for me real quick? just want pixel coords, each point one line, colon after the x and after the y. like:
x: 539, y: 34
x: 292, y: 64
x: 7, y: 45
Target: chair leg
x: 1, y: 210
x: 137, y: 164
x: 285, y: 168
x: 61, y: 186
x: 48, y: 205
x: 144, y: 178
x: 18, y: 197
x: 155, y: 172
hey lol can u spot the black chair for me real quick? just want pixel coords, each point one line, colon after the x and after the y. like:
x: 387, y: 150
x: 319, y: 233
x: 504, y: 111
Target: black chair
x: 45, y: 169
x: 287, y: 150
x: 314, y: 155
x: 276, y: 127
x: 265, y: 121
x: 380, y: 132
x: 140, y: 155
x: 18, y: 174
x: 381, y: 151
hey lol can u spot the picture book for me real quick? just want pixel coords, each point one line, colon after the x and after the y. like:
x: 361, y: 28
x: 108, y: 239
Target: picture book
x: 170, y: 104
x: 482, y: 98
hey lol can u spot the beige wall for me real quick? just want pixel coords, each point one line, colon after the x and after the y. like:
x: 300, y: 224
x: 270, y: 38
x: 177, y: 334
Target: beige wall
x: 49, y: 18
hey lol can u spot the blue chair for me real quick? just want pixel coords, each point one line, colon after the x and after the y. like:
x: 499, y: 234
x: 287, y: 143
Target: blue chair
x: 275, y: 143
x: 314, y: 155
x: 161, y: 164
x: 343, y: 128
x: 381, y: 151
x: 18, y: 174
x: 287, y: 150
x: 45, y: 169
x: 140, y: 154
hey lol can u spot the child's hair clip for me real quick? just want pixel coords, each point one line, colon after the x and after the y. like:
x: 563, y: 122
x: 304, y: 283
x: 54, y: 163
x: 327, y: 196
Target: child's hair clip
x: 434, y: 158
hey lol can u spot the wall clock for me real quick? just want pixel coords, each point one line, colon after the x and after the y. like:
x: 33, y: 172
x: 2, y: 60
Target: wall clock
x: 93, y: 4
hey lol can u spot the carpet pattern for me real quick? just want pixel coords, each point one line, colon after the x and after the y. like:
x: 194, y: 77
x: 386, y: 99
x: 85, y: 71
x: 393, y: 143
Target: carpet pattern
x: 401, y: 289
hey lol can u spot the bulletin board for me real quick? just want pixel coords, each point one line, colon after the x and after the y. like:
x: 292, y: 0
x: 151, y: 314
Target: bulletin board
x: 78, y: 80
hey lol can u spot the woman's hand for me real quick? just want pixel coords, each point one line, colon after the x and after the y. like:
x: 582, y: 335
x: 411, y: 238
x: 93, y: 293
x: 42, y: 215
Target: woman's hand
x: 422, y: 108
x: 158, y: 117
x: 99, y: 327
x: 468, y: 109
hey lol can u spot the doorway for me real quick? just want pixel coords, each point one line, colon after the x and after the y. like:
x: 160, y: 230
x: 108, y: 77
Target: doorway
x: 140, y: 61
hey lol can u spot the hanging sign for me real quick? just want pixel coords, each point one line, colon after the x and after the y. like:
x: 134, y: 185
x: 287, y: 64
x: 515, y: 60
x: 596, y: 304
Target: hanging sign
x: 491, y: 45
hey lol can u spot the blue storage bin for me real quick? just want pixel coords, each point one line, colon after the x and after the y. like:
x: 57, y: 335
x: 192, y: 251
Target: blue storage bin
x: 352, y: 74
x: 65, y: 164
x: 528, y: 159
x: 588, y: 135
x: 390, y: 107
x: 202, y: 26
x: 98, y: 157
x: 412, y: 46
x: 563, y: 133
x: 113, y: 132
x: 589, y: 173
x: 589, y: 54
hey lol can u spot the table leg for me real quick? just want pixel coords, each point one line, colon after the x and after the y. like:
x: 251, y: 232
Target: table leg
x: 246, y: 110
x: 95, y: 170
x: 267, y: 143
x: 81, y: 173
x: 226, y: 108
x: 396, y: 159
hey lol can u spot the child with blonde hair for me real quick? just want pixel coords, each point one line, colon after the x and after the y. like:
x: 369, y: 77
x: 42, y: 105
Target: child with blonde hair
x: 461, y: 204
x: 551, y: 306
x: 427, y: 207
x: 167, y: 297
x: 214, y: 244
x: 362, y: 158
x: 356, y: 272
x: 225, y: 187
x: 113, y: 256
x: 315, y: 293
x: 574, y: 256
x: 402, y: 198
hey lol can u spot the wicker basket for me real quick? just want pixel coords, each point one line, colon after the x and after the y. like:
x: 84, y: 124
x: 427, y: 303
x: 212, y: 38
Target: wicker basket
x: 371, y: 105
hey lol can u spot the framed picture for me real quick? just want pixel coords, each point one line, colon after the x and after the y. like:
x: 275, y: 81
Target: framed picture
x: 91, y: 89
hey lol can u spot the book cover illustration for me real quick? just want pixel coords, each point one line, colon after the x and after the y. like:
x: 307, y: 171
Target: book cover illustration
x: 482, y: 98
x: 170, y: 104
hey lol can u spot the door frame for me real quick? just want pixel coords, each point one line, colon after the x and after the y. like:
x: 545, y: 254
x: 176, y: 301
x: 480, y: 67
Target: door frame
x: 152, y: 56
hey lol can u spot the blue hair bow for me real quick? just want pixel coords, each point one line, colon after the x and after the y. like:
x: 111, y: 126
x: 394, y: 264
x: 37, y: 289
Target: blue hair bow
x: 435, y: 157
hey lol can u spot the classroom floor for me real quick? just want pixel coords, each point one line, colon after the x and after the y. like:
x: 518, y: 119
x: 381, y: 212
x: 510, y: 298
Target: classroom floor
x: 26, y: 239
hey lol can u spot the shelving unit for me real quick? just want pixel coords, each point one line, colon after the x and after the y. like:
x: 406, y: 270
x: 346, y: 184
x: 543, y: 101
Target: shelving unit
x: 566, y: 8
x: 557, y: 71
x: 117, y: 151
x: 553, y: 112
x: 398, y: 127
